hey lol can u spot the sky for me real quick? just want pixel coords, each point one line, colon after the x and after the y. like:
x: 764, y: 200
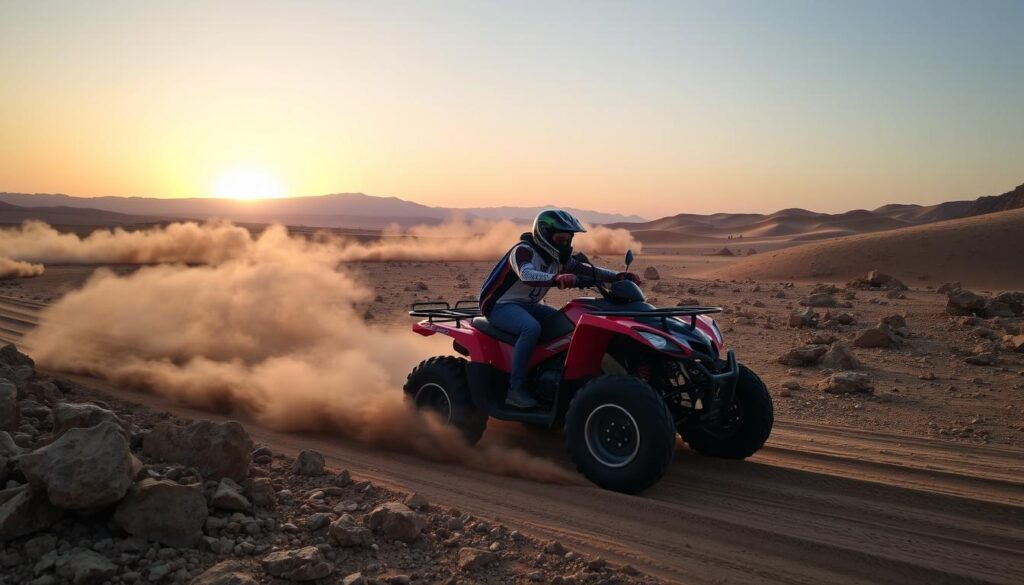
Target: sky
x: 653, y: 108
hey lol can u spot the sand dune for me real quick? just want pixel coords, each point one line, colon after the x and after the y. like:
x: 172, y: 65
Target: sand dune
x: 982, y: 251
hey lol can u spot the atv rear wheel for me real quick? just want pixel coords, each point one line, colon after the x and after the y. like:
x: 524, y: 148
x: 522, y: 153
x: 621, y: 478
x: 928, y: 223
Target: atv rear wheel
x: 745, y: 427
x: 619, y: 433
x: 438, y: 384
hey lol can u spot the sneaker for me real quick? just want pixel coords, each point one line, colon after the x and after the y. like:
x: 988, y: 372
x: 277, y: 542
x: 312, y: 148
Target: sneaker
x: 520, y: 398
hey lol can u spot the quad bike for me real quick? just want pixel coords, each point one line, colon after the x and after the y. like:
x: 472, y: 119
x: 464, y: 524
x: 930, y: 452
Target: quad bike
x: 622, y: 376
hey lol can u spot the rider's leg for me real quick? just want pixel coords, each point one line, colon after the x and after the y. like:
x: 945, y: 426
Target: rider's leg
x: 516, y: 319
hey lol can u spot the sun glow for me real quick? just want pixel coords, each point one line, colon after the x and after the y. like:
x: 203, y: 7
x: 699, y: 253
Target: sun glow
x: 249, y: 183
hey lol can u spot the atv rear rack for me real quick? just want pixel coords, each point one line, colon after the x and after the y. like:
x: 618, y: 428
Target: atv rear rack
x: 664, y: 314
x: 443, y: 312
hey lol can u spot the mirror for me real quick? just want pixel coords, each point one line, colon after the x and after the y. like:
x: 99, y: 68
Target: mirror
x: 629, y: 258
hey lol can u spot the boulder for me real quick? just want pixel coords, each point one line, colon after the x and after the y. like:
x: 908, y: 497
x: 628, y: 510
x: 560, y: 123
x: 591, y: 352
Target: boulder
x: 303, y: 564
x: 474, y: 558
x: 996, y: 308
x: 1012, y: 299
x: 985, y: 358
x: 841, y: 318
x: 807, y: 355
x: 225, y: 573
x: 24, y: 510
x: 10, y: 415
x: 961, y: 301
x: 85, y: 567
x: 819, y: 300
x: 43, y: 391
x: 801, y: 319
x: 879, y: 336
x: 347, y: 533
x: 84, y: 468
x: 228, y: 496
x: 395, y: 521
x: 416, y: 502
x: 948, y: 286
x: 309, y: 463
x: 68, y: 416
x: 261, y: 493
x: 651, y: 273
x: 1014, y: 343
x: 15, y: 366
x: 898, y: 324
x: 216, y: 450
x: 847, y: 383
x: 163, y: 511
x: 8, y: 448
x: 839, y: 357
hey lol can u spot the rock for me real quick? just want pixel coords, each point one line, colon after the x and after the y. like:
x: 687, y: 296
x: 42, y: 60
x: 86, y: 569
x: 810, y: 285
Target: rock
x: 898, y: 323
x: 474, y: 558
x: 10, y: 414
x: 800, y: 319
x: 228, y: 496
x: 303, y: 564
x: 895, y: 294
x: 555, y: 548
x: 163, y: 511
x: 416, y: 502
x: 1014, y: 300
x: 819, y: 300
x: 878, y: 280
x: 822, y: 338
x: 8, y: 448
x: 309, y: 463
x: 688, y: 302
x: 354, y: 579
x: 84, y: 468
x: 225, y: 573
x: 725, y: 252
x: 839, y: 357
x: 948, y: 286
x: 38, y: 546
x: 847, y: 383
x: 262, y: 494
x: 651, y: 273
x: 24, y: 510
x: 878, y: 336
x: 987, y: 358
x: 996, y: 308
x: 317, y: 521
x: 841, y: 318
x: 347, y: 533
x: 1014, y: 343
x: 15, y: 366
x: 68, y: 416
x: 961, y: 301
x: 85, y: 567
x: 395, y: 521
x: 216, y: 450
x: 807, y: 355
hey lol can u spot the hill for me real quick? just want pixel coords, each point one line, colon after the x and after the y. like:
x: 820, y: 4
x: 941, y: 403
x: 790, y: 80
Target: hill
x: 982, y: 251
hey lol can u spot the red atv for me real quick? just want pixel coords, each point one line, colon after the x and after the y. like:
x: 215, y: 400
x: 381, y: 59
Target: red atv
x: 622, y: 376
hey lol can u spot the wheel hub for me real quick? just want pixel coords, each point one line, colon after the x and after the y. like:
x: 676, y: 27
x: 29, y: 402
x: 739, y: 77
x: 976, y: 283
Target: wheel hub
x: 612, y: 435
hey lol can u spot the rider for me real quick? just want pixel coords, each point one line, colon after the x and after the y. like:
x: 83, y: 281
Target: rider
x: 511, y: 296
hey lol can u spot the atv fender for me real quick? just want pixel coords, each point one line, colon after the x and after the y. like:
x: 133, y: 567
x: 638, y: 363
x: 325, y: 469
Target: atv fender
x: 590, y: 343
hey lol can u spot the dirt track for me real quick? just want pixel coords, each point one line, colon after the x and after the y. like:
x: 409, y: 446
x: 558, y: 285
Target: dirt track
x: 816, y: 505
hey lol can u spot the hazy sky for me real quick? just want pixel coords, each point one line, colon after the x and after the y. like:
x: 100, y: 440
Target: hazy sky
x: 646, y: 107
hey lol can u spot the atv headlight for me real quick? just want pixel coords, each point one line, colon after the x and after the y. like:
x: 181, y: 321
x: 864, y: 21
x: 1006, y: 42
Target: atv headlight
x: 657, y: 341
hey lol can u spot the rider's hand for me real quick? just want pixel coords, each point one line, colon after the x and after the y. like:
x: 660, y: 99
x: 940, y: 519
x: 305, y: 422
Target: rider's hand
x: 565, y: 280
x: 629, y: 276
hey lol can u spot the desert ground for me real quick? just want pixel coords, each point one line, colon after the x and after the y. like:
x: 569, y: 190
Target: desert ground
x: 916, y: 477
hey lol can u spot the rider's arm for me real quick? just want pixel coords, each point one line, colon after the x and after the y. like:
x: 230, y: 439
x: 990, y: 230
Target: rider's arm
x: 580, y: 269
x: 521, y: 260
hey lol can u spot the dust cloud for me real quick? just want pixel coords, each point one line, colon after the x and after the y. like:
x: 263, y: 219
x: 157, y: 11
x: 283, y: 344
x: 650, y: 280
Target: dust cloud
x: 16, y: 269
x: 217, y: 241
x: 265, y: 325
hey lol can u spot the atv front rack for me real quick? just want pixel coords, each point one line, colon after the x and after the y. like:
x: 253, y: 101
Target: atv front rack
x: 443, y: 312
x: 664, y: 314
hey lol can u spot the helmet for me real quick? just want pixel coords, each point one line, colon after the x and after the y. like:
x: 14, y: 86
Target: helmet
x: 550, y: 222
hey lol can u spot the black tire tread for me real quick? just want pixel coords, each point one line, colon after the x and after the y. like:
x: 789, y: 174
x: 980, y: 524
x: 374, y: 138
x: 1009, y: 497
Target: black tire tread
x: 756, y: 427
x: 650, y: 400
x: 471, y: 422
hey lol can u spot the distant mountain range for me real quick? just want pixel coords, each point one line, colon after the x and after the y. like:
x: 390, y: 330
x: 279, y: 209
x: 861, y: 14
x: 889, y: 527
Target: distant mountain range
x: 801, y: 224
x: 343, y: 210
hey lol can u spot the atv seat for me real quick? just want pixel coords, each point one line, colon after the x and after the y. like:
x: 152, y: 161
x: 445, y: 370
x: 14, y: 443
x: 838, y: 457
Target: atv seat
x: 553, y: 327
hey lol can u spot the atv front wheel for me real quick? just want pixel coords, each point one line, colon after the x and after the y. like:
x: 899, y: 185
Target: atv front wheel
x: 619, y: 433
x: 745, y: 426
x: 439, y: 385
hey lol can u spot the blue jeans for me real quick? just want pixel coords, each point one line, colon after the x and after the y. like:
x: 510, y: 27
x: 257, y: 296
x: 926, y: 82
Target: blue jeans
x: 522, y: 320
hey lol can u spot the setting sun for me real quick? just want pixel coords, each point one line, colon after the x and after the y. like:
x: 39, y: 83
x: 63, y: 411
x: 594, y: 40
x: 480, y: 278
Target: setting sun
x: 249, y: 183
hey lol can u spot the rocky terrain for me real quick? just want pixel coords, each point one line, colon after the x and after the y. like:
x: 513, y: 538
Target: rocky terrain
x: 98, y: 491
